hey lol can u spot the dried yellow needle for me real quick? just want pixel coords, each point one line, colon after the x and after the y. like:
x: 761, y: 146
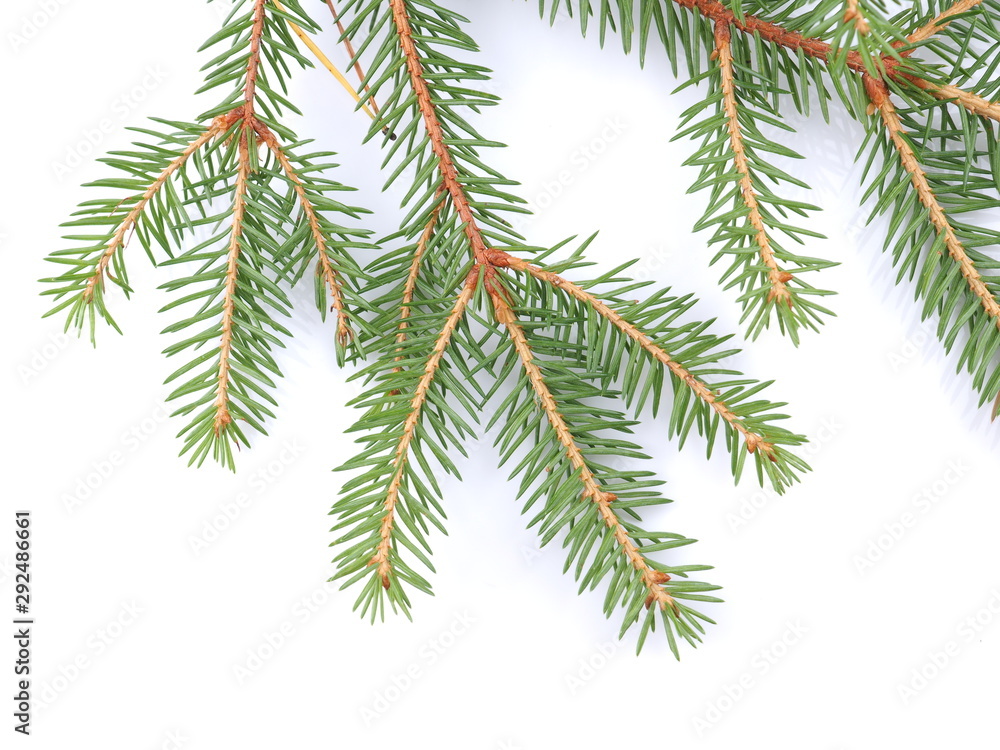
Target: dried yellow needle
x: 321, y: 56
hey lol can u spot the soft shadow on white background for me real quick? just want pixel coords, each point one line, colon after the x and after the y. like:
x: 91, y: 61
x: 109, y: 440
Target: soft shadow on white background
x: 160, y: 625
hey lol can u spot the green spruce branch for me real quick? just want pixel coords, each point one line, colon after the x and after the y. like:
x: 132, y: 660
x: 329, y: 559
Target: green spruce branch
x: 236, y: 175
x: 458, y: 317
x: 473, y: 307
x: 920, y: 77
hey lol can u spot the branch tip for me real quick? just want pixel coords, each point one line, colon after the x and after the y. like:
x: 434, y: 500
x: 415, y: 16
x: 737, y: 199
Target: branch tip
x: 652, y: 579
x: 878, y: 93
x: 777, y: 277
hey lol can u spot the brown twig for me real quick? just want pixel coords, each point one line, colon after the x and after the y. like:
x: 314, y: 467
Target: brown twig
x: 771, y: 32
x: 446, y: 165
x: 411, y: 278
x: 854, y: 13
x: 222, y: 414
x: 938, y: 23
x: 821, y: 50
x: 879, y: 95
x: 358, y: 70
x: 754, y: 441
x: 326, y: 270
x: 973, y: 102
x: 652, y: 579
x: 777, y: 277
x: 219, y: 125
x: 381, y: 556
x: 253, y: 62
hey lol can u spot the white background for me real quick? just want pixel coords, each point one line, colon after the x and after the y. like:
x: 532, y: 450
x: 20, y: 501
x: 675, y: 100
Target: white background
x: 812, y: 646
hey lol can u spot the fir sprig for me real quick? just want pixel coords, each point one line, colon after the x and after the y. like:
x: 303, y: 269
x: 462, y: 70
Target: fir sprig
x: 736, y: 160
x: 921, y: 79
x: 262, y: 213
x: 461, y: 269
x: 955, y: 278
x: 459, y: 317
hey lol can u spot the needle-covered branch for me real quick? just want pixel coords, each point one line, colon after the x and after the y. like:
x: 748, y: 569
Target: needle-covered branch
x: 746, y: 425
x: 751, y: 221
x: 941, y: 21
x: 326, y: 270
x: 386, y: 509
x: 244, y: 214
x: 223, y: 416
x: 459, y: 319
x: 929, y: 73
x: 580, y: 503
x: 575, y: 346
x: 83, y: 287
x: 777, y: 279
x: 957, y: 280
x: 880, y: 99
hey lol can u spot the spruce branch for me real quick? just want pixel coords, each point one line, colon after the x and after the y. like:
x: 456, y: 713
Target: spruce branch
x: 325, y: 265
x: 637, y: 579
x: 573, y: 345
x: 894, y: 67
x: 460, y: 318
x: 855, y: 15
x: 349, y: 47
x: 90, y: 298
x: 435, y: 132
x: 938, y: 23
x: 223, y: 416
x: 952, y: 279
x: 385, y: 553
x: 777, y: 278
x: 914, y: 69
x: 970, y: 100
x: 879, y: 95
x: 974, y: 103
x: 747, y: 229
x: 758, y: 438
x: 491, y: 258
x: 267, y: 211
